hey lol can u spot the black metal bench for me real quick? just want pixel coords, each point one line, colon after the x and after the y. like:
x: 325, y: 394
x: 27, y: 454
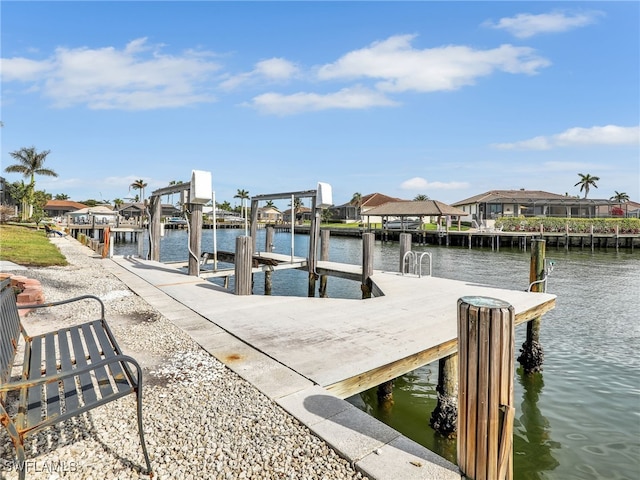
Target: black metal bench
x: 64, y: 374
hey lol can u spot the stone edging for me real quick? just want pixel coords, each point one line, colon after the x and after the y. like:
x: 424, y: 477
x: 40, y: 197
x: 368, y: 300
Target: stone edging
x: 30, y: 290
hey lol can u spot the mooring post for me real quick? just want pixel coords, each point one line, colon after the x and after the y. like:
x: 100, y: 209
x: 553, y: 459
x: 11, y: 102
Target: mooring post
x: 367, y: 264
x: 314, y: 233
x: 268, y: 247
x: 485, y: 400
x: 195, y: 238
x: 531, y: 354
x: 444, y: 418
x: 324, y: 256
x: 405, y: 246
x: 244, y: 260
x: 155, y: 207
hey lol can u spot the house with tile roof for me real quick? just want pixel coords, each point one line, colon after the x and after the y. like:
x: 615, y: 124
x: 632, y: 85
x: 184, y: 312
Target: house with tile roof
x: 529, y: 203
x: 60, y: 208
x: 351, y: 213
x: 404, y: 211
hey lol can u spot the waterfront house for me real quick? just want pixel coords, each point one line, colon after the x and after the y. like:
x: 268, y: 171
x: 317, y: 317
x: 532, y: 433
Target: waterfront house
x: 101, y: 215
x: 60, y: 208
x: 303, y: 214
x: 407, y: 210
x: 619, y: 209
x: 350, y: 212
x: 269, y: 215
x: 528, y: 203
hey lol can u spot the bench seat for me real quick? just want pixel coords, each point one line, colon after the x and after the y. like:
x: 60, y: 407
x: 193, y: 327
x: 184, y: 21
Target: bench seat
x: 64, y: 373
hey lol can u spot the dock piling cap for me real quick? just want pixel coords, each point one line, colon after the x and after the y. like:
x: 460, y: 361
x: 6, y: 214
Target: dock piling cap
x: 487, y: 302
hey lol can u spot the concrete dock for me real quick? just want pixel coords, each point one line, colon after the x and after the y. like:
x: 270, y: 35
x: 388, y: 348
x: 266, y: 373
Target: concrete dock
x: 307, y: 354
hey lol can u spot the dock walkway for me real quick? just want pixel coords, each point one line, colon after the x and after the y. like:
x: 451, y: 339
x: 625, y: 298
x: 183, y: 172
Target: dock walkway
x: 307, y: 353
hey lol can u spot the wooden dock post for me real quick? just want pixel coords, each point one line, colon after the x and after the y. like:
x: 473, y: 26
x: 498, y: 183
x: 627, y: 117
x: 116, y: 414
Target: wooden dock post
x: 367, y: 264
x: 324, y: 256
x: 244, y: 261
x: 485, y: 401
x: 268, y: 247
x: 195, y: 238
x: 444, y: 418
x: 405, y: 246
x: 314, y: 233
x: 531, y: 354
x: 155, y: 208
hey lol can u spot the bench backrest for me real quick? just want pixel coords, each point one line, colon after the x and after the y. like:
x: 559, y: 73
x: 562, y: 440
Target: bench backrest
x: 9, y: 329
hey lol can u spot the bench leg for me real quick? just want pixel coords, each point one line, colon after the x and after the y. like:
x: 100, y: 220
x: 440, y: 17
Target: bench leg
x: 18, y: 442
x: 22, y: 465
x: 140, y: 427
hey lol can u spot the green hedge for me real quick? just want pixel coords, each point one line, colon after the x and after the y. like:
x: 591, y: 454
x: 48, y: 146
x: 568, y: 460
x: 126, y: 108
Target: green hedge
x: 576, y: 225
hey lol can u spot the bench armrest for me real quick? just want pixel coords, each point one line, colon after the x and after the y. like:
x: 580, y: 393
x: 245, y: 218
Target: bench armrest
x: 69, y: 300
x: 17, y: 385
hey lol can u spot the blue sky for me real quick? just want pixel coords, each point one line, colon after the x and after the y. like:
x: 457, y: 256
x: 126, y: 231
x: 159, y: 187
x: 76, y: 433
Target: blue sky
x: 445, y: 99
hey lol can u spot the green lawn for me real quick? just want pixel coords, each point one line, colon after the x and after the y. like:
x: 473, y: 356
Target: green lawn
x: 27, y: 246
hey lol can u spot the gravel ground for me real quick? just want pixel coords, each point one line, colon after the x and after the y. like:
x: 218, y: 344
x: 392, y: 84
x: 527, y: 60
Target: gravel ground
x: 201, y: 420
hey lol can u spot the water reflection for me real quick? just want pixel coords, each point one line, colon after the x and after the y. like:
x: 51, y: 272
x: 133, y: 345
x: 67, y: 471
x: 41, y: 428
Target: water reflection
x: 532, y: 444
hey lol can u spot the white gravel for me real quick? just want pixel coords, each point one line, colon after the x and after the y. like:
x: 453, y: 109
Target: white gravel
x: 201, y: 420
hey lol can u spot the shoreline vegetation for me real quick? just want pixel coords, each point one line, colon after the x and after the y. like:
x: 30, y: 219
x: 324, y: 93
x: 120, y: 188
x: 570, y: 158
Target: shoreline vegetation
x: 573, y: 225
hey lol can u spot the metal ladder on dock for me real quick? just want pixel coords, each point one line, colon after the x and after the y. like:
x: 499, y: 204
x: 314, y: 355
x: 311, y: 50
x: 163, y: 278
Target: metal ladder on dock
x: 412, y: 263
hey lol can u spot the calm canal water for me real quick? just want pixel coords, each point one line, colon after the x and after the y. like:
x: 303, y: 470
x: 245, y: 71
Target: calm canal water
x: 579, y: 418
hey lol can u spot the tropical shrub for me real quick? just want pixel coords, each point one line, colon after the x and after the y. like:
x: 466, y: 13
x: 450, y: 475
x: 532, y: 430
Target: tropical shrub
x: 573, y: 225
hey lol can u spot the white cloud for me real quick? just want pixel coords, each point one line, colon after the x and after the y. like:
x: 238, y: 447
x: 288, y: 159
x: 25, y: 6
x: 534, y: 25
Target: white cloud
x: 347, y: 98
x: 525, y: 25
x: 607, y: 135
x: 419, y: 183
x: 137, y: 77
x: 276, y: 68
x: 578, y: 136
x: 273, y: 69
x: 399, y: 67
x: 23, y: 69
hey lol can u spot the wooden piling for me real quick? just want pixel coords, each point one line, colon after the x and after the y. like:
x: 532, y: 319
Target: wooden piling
x: 405, y: 246
x: 155, y: 208
x: 313, y: 248
x: 531, y: 354
x: 444, y: 418
x: 268, y: 247
x: 324, y: 256
x: 367, y: 264
x: 244, y: 261
x: 195, y: 238
x: 485, y: 400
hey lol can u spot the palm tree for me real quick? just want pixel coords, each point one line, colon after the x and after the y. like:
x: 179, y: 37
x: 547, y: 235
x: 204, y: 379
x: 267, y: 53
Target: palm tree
x: 356, y: 201
x: 20, y: 193
x: 587, y: 181
x: 620, y: 197
x: 242, y: 195
x: 421, y: 198
x: 61, y: 196
x: 295, y: 208
x: 31, y: 163
x: 139, y: 185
